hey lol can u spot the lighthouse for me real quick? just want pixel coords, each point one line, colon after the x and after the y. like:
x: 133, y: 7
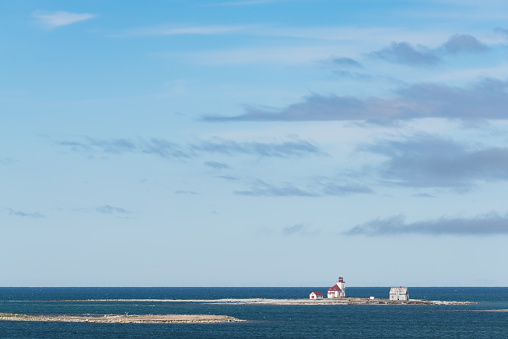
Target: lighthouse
x: 338, y: 290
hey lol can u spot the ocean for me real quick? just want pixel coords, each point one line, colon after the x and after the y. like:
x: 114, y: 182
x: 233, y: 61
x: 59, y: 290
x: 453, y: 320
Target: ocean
x: 487, y: 318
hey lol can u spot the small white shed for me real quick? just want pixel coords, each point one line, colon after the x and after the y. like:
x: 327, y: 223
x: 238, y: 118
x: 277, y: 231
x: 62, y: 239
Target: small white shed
x: 316, y: 295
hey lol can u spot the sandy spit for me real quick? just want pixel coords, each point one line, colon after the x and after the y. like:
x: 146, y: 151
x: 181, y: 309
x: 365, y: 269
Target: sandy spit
x: 124, y: 319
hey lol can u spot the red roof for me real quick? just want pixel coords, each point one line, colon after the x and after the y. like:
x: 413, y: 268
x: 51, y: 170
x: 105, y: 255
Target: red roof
x: 334, y: 288
x: 317, y: 293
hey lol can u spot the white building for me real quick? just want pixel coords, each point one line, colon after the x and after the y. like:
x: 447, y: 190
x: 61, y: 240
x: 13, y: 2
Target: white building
x: 316, y: 295
x: 399, y: 293
x: 338, y: 290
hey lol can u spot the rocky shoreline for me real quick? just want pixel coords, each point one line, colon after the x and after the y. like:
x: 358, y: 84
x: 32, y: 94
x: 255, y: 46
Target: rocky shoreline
x: 207, y: 318
x: 341, y: 301
x: 124, y: 319
x: 326, y: 301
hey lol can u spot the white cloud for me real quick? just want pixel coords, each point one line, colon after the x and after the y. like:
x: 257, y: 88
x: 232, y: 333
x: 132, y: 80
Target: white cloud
x: 486, y: 224
x: 60, y: 18
x: 464, y: 75
x: 374, y: 37
x: 485, y: 100
x: 304, y: 54
x: 184, y: 30
x: 247, y: 2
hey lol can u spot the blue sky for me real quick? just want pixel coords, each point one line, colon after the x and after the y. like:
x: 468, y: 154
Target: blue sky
x: 254, y: 143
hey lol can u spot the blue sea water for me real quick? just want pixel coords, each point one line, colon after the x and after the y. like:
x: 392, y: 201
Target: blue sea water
x: 484, y: 319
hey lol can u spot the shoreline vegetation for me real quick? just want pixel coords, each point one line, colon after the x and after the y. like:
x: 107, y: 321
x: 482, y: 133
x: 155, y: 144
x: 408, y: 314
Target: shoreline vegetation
x: 124, y: 319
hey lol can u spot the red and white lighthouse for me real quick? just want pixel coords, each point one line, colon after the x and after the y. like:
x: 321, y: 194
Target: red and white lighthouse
x: 338, y: 290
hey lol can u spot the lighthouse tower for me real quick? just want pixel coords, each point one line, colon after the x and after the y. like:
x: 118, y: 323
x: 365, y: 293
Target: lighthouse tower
x: 338, y: 290
x: 342, y: 285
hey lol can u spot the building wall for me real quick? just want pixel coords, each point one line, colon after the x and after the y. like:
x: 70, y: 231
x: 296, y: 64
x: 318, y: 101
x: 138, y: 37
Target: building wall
x: 399, y: 294
x: 342, y: 286
x: 336, y: 294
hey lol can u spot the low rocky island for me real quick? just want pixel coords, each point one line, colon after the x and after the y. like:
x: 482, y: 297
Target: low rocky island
x: 327, y: 301
x: 124, y: 319
x: 338, y: 301
x: 209, y: 318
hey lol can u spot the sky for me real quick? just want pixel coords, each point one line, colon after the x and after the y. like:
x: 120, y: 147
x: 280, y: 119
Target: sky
x: 254, y: 142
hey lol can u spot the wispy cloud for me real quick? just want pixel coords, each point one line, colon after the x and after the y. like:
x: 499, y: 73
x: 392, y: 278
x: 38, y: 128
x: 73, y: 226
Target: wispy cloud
x: 347, y: 68
x: 288, y: 54
x: 164, y: 148
x: 404, y: 53
x: 261, y: 188
x: 247, y: 2
x: 298, y: 229
x: 185, y: 30
x: 488, y: 224
x: 115, y: 146
x: 107, y: 209
x: 167, y: 149
x: 460, y: 43
x: 422, y: 56
x: 216, y: 165
x: 429, y: 161
x: 346, y: 63
x: 342, y: 190
x: 155, y: 146
x: 265, y: 149
x: 423, y: 195
x: 228, y: 177
x: 292, y: 229
x: 7, y: 161
x: 34, y: 215
x: 60, y: 18
x: 502, y: 31
x: 317, y: 108
x: 486, y: 99
x: 186, y: 192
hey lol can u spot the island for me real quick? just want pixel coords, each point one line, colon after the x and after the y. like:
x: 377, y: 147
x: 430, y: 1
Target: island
x: 208, y: 318
x: 124, y: 318
x: 265, y: 301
